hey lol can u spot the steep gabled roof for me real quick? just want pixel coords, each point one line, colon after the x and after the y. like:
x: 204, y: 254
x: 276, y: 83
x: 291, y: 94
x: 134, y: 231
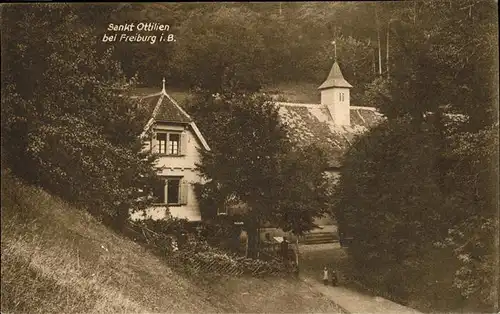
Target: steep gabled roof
x: 335, y: 78
x: 162, y: 108
x: 312, y: 123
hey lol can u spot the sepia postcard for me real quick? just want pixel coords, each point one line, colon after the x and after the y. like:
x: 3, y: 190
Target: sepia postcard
x: 250, y: 157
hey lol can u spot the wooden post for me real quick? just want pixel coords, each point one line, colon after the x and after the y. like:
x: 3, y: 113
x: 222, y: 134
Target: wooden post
x: 297, y: 251
x: 258, y: 241
x: 246, y: 246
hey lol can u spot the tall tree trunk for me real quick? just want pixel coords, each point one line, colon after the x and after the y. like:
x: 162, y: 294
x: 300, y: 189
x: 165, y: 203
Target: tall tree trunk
x: 414, y: 12
x: 378, y: 42
x: 373, y: 63
x: 387, y: 50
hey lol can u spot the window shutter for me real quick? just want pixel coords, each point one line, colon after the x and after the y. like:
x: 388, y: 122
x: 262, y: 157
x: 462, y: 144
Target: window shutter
x: 183, y: 144
x: 166, y: 191
x: 151, y: 143
x: 183, y: 190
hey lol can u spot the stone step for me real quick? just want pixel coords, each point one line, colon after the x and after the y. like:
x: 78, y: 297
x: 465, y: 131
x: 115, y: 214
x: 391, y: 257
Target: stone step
x: 322, y: 233
x: 319, y: 238
x: 319, y: 241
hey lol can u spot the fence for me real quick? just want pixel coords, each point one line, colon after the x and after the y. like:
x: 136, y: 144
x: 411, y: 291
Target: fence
x: 199, y: 257
x: 225, y: 264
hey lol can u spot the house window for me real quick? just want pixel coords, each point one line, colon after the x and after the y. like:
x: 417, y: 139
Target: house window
x: 342, y: 96
x: 159, y: 191
x: 170, y: 143
x: 171, y: 191
x: 174, y: 141
x: 162, y: 142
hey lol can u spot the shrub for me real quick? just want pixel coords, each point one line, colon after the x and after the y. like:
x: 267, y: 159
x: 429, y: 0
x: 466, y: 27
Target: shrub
x: 197, y: 256
x: 65, y: 125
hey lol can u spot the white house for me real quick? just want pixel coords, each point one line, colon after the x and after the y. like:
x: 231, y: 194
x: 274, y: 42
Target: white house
x: 173, y: 134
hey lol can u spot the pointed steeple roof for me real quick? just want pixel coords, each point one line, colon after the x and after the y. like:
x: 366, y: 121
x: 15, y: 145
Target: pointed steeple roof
x: 335, y: 78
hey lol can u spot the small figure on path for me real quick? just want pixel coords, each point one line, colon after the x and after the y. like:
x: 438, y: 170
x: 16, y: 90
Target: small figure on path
x: 335, y: 279
x: 325, y: 276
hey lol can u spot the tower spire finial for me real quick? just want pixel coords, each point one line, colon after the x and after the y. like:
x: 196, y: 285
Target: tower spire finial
x: 334, y: 51
x: 163, y: 89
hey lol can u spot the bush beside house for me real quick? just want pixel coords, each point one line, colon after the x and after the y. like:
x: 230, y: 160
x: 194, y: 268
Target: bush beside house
x: 196, y: 250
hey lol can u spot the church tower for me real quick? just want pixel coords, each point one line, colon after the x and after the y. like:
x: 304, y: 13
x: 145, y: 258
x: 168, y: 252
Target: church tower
x: 336, y: 97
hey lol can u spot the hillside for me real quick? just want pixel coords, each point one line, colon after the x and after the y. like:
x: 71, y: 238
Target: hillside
x: 58, y: 259
x: 299, y: 92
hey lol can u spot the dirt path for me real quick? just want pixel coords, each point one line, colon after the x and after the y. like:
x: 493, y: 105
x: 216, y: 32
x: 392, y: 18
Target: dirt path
x: 346, y: 295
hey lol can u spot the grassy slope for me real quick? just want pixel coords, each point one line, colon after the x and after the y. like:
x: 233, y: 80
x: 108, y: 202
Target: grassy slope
x: 299, y: 92
x: 58, y: 259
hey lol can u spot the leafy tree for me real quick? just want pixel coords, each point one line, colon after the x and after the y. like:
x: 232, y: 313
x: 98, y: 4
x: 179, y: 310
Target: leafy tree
x: 405, y: 211
x: 252, y: 162
x: 473, y: 182
x: 303, y: 191
x: 443, y: 59
x: 65, y: 125
x: 418, y: 187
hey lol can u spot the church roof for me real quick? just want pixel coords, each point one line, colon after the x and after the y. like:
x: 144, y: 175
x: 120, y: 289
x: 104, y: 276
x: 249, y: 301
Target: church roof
x: 335, y: 78
x: 312, y: 123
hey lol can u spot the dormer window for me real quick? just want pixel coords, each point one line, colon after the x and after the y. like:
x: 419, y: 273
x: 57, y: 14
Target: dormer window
x: 170, y: 143
x: 174, y: 141
x: 162, y: 142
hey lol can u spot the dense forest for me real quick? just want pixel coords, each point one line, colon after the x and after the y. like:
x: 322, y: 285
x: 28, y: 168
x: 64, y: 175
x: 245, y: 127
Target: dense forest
x: 255, y: 44
x: 445, y: 45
